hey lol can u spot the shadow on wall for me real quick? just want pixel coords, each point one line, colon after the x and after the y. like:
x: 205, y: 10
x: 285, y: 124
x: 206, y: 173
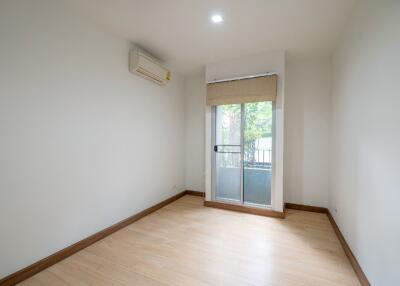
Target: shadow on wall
x: 294, y: 141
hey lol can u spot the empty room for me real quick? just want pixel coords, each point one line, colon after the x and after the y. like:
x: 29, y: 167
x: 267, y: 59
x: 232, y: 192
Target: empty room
x: 200, y: 142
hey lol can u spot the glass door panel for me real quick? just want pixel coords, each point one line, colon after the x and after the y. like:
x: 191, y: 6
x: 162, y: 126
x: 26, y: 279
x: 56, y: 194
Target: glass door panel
x: 257, y: 151
x: 243, y: 153
x: 228, y: 167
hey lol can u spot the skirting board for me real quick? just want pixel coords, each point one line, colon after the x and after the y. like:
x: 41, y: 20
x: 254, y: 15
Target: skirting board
x: 195, y: 193
x: 31, y: 270
x: 306, y: 208
x: 353, y: 261
x: 245, y: 209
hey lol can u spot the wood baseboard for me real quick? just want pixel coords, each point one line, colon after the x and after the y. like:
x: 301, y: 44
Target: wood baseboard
x: 31, y: 270
x: 306, y: 208
x: 195, y: 193
x: 245, y: 209
x: 353, y: 261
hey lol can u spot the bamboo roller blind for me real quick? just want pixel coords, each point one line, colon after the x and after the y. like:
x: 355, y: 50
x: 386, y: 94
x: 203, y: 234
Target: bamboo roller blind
x: 255, y: 89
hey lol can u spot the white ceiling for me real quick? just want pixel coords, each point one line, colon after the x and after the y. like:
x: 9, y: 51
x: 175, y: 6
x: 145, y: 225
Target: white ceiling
x: 180, y: 31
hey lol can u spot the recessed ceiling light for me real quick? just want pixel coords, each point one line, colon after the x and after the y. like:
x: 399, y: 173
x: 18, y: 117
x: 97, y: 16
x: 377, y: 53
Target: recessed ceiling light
x: 217, y: 18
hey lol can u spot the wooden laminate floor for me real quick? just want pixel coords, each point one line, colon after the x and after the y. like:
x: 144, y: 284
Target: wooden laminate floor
x: 186, y: 243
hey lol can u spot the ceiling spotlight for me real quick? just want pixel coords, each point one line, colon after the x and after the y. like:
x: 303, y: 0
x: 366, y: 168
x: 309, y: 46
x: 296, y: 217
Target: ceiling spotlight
x: 217, y: 18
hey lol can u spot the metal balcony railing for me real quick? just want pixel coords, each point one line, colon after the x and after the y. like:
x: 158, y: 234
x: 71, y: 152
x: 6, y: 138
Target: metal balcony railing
x: 259, y: 159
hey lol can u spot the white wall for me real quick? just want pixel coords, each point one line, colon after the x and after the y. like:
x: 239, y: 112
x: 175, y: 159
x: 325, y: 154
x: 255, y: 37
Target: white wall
x: 244, y: 66
x: 84, y: 143
x: 366, y: 139
x: 195, y: 100
x: 307, y: 130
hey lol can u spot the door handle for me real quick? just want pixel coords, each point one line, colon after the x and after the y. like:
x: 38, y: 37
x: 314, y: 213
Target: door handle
x: 227, y: 152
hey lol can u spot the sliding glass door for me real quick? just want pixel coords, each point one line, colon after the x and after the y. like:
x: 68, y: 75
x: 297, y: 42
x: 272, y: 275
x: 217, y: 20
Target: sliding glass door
x: 227, y: 148
x: 257, y: 153
x: 242, y: 155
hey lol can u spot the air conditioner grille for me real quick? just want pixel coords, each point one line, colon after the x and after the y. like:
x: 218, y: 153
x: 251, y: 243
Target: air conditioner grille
x: 147, y: 67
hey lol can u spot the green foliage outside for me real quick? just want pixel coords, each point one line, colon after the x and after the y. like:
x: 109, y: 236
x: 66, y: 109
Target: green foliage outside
x: 258, y: 120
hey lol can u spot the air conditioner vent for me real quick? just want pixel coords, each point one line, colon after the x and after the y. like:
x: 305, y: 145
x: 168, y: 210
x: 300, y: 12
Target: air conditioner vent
x: 148, y: 67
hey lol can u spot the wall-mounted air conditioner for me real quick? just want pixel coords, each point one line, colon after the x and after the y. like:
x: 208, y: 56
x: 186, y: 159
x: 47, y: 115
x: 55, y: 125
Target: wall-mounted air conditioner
x: 143, y: 64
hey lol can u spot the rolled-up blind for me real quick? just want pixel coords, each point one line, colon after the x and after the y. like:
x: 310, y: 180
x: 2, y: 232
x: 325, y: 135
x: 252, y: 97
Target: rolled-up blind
x: 262, y: 88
